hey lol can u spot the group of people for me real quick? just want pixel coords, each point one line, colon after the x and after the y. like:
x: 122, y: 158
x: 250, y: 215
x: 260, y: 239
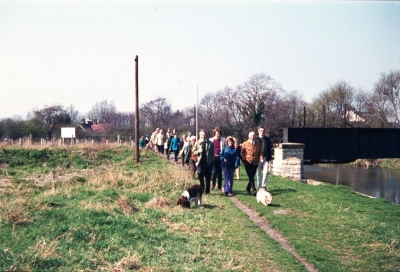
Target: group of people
x: 216, y: 158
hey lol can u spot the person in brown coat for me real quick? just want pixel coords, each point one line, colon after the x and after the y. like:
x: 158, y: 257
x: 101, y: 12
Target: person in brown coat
x: 250, y: 154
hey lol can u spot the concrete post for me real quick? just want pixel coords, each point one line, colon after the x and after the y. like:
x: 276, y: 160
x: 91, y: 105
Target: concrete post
x: 288, y: 161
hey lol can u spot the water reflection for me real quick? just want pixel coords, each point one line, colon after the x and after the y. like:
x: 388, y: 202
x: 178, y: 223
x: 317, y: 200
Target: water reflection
x: 376, y: 182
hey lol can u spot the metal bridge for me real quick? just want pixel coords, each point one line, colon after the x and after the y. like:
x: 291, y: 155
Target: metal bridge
x: 345, y: 144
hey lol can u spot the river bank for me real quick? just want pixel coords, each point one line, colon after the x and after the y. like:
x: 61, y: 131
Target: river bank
x: 383, y: 163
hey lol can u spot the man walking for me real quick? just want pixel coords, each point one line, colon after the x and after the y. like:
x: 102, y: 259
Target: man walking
x: 204, y: 150
x: 265, y: 157
x: 219, y: 145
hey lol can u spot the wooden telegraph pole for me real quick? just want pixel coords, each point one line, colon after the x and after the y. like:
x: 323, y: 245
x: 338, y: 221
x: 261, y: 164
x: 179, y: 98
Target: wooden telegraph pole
x: 137, y: 109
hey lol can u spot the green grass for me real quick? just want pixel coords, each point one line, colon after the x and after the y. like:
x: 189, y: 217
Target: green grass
x: 333, y: 227
x: 61, y: 212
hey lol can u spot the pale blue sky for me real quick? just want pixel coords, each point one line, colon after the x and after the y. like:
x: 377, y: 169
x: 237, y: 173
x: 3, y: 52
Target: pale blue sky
x: 83, y: 52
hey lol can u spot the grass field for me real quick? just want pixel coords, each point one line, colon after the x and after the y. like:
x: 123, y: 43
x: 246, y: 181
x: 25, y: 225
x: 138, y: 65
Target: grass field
x: 94, y: 209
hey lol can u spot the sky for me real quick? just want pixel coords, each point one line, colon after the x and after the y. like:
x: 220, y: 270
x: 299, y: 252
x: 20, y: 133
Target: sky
x: 79, y: 53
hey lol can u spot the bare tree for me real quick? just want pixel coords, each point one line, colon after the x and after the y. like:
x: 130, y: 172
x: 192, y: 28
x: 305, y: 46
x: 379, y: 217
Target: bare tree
x: 291, y: 109
x: 389, y: 85
x: 155, y: 113
x: 256, y: 98
x: 331, y: 104
x: 105, y: 112
x: 73, y: 113
x: 210, y: 115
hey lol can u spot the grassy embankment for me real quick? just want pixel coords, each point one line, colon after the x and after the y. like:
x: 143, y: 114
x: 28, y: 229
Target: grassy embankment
x: 62, y: 210
x: 383, y: 163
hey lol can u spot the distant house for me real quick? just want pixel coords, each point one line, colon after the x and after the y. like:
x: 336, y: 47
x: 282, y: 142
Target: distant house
x: 354, y: 116
x: 94, y: 130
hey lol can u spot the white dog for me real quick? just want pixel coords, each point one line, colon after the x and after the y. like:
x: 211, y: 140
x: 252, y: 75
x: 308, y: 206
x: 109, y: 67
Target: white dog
x: 264, y: 197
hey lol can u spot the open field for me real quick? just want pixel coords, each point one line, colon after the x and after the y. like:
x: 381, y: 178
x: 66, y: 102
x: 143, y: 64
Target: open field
x: 94, y: 209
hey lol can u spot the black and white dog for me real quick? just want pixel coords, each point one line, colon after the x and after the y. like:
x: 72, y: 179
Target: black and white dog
x: 193, y: 193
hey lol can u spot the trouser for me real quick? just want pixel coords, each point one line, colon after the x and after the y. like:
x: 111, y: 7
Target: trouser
x: 251, y: 171
x: 176, y: 152
x: 204, y: 173
x: 228, y: 179
x: 168, y: 151
x: 262, y: 174
x: 217, y: 173
x: 160, y: 149
x: 192, y: 168
x: 183, y: 159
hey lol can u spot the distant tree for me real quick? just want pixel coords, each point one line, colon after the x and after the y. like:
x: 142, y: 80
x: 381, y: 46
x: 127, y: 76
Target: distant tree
x: 330, y: 105
x: 11, y: 128
x: 389, y: 86
x: 189, y: 119
x: 155, y: 113
x: 2, y: 128
x: 176, y: 121
x: 33, y: 127
x: 125, y: 120
x: 256, y: 99
x: 51, y: 118
x: 210, y: 115
x: 232, y: 115
x: 104, y: 111
x: 73, y: 113
x: 293, y: 113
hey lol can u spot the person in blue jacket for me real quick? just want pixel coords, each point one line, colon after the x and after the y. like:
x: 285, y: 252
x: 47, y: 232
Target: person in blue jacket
x: 174, y: 146
x: 230, y: 158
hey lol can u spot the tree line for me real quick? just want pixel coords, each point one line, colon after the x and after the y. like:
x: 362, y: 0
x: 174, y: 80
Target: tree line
x: 258, y: 101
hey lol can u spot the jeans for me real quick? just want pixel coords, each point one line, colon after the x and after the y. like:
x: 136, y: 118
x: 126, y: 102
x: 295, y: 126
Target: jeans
x: 228, y: 179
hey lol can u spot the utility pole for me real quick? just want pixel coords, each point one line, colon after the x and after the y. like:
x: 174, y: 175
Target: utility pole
x: 137, y: 109
x: 197, y: 112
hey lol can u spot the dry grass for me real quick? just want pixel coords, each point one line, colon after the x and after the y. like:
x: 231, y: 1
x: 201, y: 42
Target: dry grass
x: 182, y: 227
x: 16, y: 211
x: 158, y: 203
x: 127, y: 207
x: 56, y: 144
x: 44, y: 250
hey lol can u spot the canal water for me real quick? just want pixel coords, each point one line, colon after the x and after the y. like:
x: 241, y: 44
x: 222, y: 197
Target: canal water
x: 373, y: 181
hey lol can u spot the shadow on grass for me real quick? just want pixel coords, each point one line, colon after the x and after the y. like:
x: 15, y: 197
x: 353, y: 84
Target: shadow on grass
x: 208, y: 206
x: 274, y: 205
x: 282, y: 191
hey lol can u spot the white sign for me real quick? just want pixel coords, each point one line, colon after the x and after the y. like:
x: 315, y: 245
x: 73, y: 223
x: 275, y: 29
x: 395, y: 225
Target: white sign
x: 67, y: 132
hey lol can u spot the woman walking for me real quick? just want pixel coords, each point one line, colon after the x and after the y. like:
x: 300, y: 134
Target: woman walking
x: 160, y: 141
x: 190, y: 158
x: 229, y: 161
x: 175, y: 147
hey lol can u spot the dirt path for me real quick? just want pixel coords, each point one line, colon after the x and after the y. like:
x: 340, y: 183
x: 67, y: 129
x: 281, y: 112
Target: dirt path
x: 263, y: 224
